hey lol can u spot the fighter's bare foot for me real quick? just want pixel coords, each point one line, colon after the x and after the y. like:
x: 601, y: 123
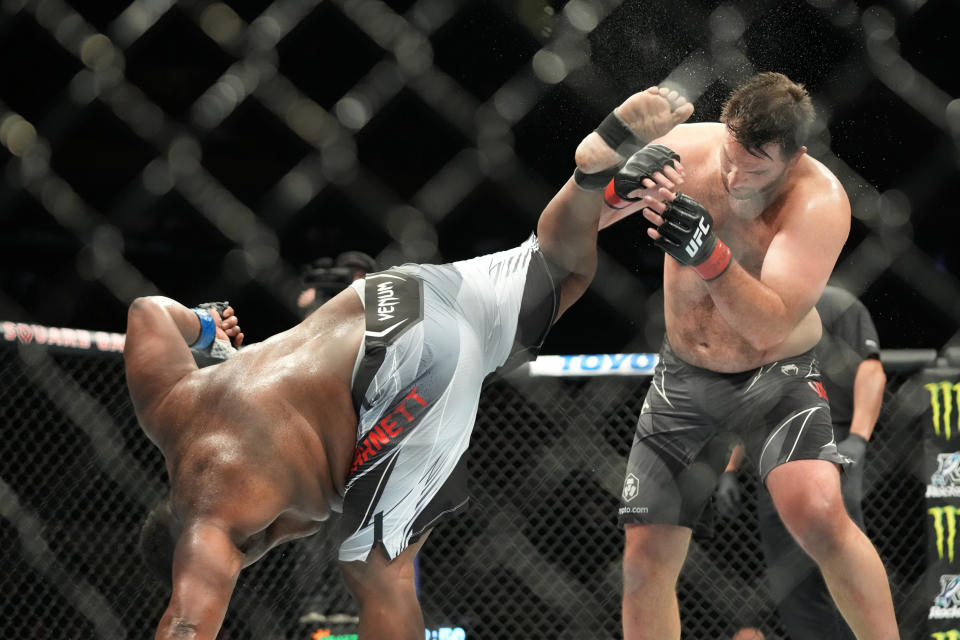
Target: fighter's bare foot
x: 649, y: 114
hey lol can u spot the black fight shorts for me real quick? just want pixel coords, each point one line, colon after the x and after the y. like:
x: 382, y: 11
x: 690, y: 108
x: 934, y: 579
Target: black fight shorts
x: 691, y: 417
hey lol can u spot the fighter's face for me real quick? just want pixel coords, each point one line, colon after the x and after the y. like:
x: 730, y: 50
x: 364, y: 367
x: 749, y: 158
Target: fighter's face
x: 747, y: 175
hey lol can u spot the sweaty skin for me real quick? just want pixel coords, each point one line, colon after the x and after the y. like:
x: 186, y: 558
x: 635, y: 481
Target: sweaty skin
x: 785, y: 221
x: 259, y: 448
x: 257, y: 469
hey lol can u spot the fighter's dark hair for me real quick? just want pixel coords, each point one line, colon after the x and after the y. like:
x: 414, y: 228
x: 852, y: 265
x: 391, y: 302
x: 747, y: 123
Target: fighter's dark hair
x: 769, y: 107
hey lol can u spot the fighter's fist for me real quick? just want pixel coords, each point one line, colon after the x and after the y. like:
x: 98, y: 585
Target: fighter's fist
x: 686, y: 232
x: 226, y: 323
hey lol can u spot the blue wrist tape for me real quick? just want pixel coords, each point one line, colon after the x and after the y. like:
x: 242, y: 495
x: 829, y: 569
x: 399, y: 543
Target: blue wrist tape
x: 207, y: 329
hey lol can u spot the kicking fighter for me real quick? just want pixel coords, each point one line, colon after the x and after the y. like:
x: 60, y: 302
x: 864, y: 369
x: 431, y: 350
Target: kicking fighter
x: 366, y: 406
x: 751, y: 240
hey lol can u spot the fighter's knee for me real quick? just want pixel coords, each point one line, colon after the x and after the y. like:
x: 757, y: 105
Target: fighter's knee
x: 817, y: 523
x: 651, y: 556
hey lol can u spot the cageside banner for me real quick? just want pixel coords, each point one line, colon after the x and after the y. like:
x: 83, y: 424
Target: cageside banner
x: 940, y: 423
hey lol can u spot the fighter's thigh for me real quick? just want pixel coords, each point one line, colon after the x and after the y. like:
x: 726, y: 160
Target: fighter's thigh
x: 668, y: 478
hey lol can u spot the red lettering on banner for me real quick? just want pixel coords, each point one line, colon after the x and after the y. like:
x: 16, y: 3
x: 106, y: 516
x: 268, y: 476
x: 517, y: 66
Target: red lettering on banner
x: 818, y: 387
x: 62, y: 337
x: 24, y: 333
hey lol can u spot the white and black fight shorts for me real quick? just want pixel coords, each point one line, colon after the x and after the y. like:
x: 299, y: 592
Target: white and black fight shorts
x: 691, y: 417
x: 433, y: 333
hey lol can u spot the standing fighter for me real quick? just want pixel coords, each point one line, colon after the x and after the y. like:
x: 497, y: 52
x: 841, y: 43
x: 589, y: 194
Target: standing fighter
x: 366, y: 407
x: 751, y: 242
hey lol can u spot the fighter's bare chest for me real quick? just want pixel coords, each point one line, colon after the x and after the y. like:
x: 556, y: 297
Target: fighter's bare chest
x: 743, y: 227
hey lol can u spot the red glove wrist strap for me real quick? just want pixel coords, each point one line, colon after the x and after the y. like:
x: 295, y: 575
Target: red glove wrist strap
x: 716, y: 264
x: 612, y: 199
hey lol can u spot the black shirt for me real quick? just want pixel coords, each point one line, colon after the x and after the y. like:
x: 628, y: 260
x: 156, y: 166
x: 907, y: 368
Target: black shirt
x: 849, y: 338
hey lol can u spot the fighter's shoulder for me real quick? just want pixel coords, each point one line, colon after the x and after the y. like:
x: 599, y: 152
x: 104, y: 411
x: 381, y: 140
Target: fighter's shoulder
x: 818, y: 187
x: 693, y: 140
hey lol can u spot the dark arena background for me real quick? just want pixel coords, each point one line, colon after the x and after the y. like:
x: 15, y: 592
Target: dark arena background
x: 206, y: 150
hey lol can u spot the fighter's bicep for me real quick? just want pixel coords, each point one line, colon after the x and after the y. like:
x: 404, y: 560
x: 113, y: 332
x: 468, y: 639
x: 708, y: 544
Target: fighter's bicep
x: 154, y: 352
x: 803, y: 254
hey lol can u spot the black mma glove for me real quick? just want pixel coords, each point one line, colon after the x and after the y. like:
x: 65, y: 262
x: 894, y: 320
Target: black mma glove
x: 727, y: 496
x: 641, y: 165
x: 687, y: 234
x: 855, y: 448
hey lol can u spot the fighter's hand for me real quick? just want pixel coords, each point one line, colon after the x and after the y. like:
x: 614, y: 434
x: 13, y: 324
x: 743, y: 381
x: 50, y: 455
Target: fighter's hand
x: 684, y: 229
x: 225, y: 322
x: 654, y: 112
x: 649, y: 170
x: 728, y: 496
x: 229, y: 327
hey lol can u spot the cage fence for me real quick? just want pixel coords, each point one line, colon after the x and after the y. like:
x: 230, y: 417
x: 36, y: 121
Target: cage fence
x: 143, y: 143
x: 537, y: 555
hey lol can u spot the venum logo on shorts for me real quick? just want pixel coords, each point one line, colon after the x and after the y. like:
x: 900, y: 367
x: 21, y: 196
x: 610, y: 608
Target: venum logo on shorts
x: 950, y: 634
x: 789, y: 369
x: 630, y: 487
x: 394, y: 303
x: 945, y: 481
x: 386, y: 432
x: 946, y: 604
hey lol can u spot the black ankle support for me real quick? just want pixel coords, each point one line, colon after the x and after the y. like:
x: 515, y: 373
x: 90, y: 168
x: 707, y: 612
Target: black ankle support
x: 596, y: 181
x: 619, y: 136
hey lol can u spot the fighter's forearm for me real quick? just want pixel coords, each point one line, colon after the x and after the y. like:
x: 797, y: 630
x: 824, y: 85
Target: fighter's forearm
x: 185, y: 320
x: 868, y: 386
x: 751, y: 308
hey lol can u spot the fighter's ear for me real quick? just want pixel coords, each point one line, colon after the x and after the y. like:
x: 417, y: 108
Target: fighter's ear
x: 795, y: 158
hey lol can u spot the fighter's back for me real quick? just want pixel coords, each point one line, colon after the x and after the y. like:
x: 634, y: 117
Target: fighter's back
x: 263, y: 441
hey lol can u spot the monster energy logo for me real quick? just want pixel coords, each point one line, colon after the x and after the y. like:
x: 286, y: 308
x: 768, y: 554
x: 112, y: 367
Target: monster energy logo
x: 944, y: 401
x: 948, y: 513
x: 953, y: 634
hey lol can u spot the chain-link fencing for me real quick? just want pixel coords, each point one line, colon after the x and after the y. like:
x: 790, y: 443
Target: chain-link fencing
x: 205, y: 149
x: 537, y: 555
